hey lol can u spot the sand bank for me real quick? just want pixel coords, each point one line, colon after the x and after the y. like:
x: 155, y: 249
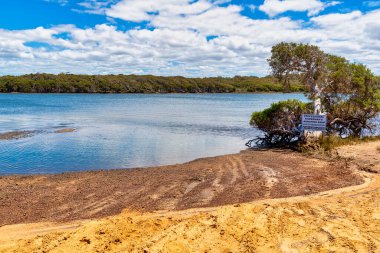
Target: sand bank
x: 15, y: 135
x: 65, y: 130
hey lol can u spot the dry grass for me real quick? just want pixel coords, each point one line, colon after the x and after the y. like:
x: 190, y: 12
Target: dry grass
x: 329, y: 143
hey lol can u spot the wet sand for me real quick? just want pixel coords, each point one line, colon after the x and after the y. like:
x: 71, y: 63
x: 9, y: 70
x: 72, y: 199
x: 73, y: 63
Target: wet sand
x: 340, y: 220
x: 15, y: 135
x: 65, y: 130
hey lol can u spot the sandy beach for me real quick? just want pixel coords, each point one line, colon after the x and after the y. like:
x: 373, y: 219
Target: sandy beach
x: 249, y: 202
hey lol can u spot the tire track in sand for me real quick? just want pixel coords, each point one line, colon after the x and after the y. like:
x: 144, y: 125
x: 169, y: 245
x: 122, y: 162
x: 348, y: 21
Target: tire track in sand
x: 238, y: 169
x: 270, y: 178
x: 234, y: 168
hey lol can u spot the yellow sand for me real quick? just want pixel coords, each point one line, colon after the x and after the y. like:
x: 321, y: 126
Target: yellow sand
x: 344, y: 220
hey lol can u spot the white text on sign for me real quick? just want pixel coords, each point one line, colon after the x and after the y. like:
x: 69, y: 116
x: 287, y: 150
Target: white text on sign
x: 313, y: 122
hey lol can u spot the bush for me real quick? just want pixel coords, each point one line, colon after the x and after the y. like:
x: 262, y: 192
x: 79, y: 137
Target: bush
x: 280, y: 123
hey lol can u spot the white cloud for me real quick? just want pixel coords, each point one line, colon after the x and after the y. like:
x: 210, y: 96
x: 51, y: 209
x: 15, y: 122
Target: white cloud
x: 372, y: 3
x: 336, y: 18
x: 252, y: 7
x: 353, y: 35
x: 312, y: 7
x: 184, y: 38
x: 137, y: 10
x: 95, y: 6
x: 61, y: 2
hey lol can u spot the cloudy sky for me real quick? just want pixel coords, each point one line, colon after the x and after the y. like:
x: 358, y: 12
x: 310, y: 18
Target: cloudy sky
x: 178, y: 37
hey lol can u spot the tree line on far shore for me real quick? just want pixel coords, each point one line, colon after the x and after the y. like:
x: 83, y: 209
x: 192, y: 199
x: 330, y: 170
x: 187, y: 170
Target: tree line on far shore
x: 71, y: 83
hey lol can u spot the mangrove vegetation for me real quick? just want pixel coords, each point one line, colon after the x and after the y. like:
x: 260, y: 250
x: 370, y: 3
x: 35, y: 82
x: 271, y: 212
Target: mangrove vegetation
x: 70, y: 83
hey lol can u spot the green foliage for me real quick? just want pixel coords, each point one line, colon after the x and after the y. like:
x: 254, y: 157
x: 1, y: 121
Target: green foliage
x: 280, y: 123
x: 307, y: 62
x: 69, y: 83
x: 349, y: 92
x: 351, y: 98
x: 283, y: 115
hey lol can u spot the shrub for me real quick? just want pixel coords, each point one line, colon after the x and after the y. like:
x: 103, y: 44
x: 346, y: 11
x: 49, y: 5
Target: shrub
x: 280, y: 122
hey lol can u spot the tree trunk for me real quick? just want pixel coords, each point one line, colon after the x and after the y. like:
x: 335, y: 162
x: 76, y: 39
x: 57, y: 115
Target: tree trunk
x: 317, y: 111
x: 317, y: 101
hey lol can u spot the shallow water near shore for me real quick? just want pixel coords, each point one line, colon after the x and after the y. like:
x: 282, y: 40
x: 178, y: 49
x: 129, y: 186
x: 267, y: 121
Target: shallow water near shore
x: 123, y: 130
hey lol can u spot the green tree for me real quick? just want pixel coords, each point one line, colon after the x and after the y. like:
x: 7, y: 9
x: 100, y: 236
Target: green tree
x: 307, y: 62
x: 352, y: 100
x: 347, y: 92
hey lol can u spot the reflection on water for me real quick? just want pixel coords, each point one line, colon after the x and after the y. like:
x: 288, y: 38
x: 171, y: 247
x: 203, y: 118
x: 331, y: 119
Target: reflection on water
x: 123, y: 131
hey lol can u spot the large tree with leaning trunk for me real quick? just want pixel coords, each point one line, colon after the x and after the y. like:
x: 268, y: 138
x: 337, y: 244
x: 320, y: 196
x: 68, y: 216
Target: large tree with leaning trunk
x: 348, y: 93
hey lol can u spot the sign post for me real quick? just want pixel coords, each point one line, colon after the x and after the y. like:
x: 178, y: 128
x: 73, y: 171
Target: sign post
x: 314, y: 122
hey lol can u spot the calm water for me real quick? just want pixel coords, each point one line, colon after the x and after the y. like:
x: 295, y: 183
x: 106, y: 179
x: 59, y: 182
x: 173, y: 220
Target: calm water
x: 123, y: 131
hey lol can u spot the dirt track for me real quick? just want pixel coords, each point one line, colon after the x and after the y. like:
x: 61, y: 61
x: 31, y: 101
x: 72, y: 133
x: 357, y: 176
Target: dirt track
x: 208, y: 182
x: 342, y: 220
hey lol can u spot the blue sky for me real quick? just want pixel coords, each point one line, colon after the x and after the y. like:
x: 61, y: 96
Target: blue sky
x: 178, y: 37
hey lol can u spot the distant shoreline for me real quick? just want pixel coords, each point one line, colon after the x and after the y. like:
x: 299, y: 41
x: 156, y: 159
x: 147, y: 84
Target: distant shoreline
x: 69, y: 83
x: 159, y: 93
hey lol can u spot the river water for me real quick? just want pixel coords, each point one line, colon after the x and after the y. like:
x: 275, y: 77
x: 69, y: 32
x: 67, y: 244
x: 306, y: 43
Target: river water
x: 123, y: 130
